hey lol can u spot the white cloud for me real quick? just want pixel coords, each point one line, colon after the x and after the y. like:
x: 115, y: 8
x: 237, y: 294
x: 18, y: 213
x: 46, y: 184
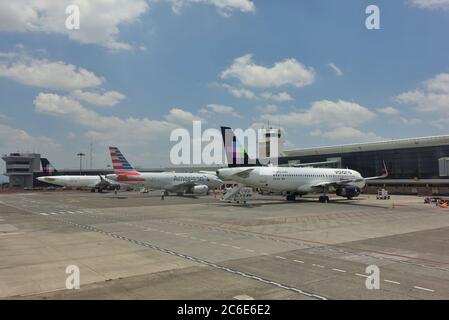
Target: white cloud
x: 180, y: 116
x: 346, y: 134
x: 431, y: 4
x: 440, y: 124
x: 388, y: 110
x: 104, y: 129
x: 434, y: 96
x: 45, y: 74
x: 8, y: 55
x: 270, y: 108
x: 23, y: 141
x: 406, y: 121
x: 108, y: 98
x: 219, y: 108
x: 225, y: 7
x: 240, y: 92
x: 336, y: 69
x: 100, y: 20
x: 248, y: 94
x: 287, y: 72
x: 278, y: 97
x: 325, y: 112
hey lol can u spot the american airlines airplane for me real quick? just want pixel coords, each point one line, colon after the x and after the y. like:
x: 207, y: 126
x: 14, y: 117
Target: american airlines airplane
x: 179, y: 183
x: 91, y: 182
x: 289, y: 180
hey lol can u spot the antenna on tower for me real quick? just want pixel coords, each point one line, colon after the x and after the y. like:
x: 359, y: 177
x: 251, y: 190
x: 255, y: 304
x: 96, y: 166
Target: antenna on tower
x: 91, y: 154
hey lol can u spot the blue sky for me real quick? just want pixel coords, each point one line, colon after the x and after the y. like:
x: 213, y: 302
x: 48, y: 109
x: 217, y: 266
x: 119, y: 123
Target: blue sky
x: 138, y: 69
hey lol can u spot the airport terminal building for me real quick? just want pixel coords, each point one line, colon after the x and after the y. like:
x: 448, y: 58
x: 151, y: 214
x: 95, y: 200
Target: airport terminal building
x: 415, y: 165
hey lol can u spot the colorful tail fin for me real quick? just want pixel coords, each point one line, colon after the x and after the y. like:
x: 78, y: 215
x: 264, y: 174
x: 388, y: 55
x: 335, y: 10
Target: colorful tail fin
x: 119, y: 162
x: 235, y: 152
x: 47, y: 168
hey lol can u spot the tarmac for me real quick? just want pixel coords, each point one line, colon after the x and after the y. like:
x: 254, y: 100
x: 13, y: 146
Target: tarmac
x: 138, y: 246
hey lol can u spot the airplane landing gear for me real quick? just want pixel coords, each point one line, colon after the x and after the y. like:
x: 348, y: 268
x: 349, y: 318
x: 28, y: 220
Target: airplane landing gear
x: 291, y: 197
x: 324, y: 199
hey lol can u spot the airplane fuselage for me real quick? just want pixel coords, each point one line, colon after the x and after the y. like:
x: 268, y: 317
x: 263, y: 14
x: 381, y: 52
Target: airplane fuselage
x: 290, y: 179
x: 72, y: 181
x: 169, y: 181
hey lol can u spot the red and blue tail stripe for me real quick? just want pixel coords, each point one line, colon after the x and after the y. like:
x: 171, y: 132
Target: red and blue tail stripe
x: 122, y: 168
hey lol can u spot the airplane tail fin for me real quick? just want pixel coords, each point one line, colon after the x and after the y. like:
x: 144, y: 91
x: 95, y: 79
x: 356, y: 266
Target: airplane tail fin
x: 235, y: 152
x: 119, y: 163
x: 47, y: 168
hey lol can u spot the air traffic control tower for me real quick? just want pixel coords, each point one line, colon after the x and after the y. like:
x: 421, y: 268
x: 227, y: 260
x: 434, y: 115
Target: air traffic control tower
x: 20, y: 168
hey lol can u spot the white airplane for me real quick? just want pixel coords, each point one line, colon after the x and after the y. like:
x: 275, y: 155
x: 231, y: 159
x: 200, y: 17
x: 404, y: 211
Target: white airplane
x: 291, y: 181
x: 168, y: 182
x: 93, y: 183
x: 97, y: 182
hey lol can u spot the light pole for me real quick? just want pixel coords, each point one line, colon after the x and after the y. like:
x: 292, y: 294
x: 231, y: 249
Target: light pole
x: 81, y: 155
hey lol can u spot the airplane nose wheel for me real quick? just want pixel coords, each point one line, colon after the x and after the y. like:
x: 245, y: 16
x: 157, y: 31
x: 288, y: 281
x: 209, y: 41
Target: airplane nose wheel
x: 324, y: 199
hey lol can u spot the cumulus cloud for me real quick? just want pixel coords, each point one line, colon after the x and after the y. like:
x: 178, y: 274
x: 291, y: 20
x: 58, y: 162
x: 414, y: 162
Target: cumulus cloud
x: 278, y: 97
x: 431, y: 4
x: 433, y: 96
x: 180, y: 116
x: 270, y: 108
x: 25, y: 142
x: 104, y: 129
x: 249, y: 94
x: 440, y: 124
x: 347, y: 134
x: 221, y: 109
x: 388, y: 110
x: 100, y: 20
x: 107, y: 99
x: 406, y: 121
x: 336, y: 69
x: 225, y: 7
x: 287, y: 72
x: 240, y: 92
x: 325, y: 112
x: 46, y: 74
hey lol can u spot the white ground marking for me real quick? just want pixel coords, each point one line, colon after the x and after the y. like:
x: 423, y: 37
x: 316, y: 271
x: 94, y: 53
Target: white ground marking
x: 339, y: 270
x: 317, y: 265
x: 243, y: 297
x: 424, y: 289
x: 298, y: 261
x: 264, y: 254
x: 391, y: 281
x: 279, y: 257
x: 361, y: 275
x: 43, y: 213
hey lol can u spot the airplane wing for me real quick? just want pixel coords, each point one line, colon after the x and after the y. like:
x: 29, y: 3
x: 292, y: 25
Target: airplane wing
x: 244, y: 173
x: 208, y: 172
x: 185, y: 186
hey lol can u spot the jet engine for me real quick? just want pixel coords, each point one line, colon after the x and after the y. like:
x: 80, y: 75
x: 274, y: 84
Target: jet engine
x: 348, y: 191
x: 201, y: 189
